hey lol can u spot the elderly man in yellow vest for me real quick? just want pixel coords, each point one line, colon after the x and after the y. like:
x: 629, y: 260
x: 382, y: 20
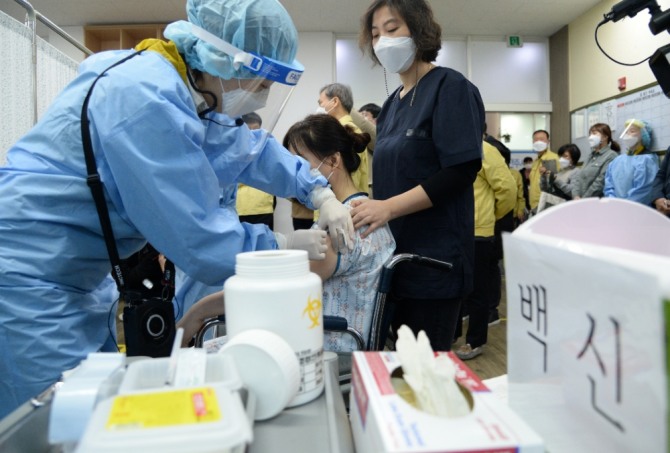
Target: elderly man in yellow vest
x: 541, y: 147
x: 337, y: 101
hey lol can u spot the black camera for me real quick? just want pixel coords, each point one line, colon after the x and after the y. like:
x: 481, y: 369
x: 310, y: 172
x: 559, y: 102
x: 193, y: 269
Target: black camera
x: 659, y: 62
x: 148, y: 325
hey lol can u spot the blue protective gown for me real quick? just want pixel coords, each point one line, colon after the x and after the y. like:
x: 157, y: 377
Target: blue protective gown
x: 163, y: 170
x: 631, y: 177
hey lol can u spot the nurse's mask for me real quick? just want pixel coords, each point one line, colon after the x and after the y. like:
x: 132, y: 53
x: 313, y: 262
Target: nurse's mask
x: 239, y: 101
x: 395, y: 54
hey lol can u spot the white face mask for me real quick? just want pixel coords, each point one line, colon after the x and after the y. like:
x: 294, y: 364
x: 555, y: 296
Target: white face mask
x: 322, y: 110
x: 395, y: 54
x: 594, y: 140
x: 329, y: 175
x: 528, y: 166
x: 238, y: 102
x: 539, y: 146
x: 564, y: 162
x: 629, y: 141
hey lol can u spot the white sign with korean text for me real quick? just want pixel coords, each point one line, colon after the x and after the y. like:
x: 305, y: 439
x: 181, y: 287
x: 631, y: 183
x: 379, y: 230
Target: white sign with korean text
x: 586, y: 341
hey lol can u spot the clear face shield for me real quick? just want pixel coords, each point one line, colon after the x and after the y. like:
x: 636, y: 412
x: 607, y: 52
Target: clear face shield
x: 264, y: 85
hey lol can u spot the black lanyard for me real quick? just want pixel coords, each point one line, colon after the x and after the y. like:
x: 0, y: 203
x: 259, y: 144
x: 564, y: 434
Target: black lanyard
x: 96, y: 186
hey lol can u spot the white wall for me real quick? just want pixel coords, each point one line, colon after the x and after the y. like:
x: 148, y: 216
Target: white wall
x: 509, y: 79
x: 64, y: 46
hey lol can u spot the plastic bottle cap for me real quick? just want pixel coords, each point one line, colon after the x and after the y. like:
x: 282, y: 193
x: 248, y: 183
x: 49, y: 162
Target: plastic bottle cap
x: 268, y: 367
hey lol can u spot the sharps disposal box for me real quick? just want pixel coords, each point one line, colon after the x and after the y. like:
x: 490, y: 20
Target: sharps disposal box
x: 274, y: 290
x: 203, y: 419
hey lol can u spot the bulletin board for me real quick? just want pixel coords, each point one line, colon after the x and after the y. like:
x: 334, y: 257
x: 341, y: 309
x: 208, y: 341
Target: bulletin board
x: 648, y: 104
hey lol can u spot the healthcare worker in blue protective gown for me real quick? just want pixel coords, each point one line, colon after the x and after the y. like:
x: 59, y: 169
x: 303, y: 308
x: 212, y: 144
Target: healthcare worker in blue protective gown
x: 167, y: 159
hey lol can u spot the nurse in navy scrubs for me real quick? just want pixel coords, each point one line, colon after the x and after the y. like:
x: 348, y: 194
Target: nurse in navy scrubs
x: 428, y: 153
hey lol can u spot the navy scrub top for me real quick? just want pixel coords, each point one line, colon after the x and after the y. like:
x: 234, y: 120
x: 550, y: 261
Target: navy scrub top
x: 442, y: 128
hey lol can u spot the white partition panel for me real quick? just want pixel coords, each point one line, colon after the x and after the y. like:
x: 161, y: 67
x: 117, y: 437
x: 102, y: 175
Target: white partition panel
x: 16, y: 115
x: 54, y: 71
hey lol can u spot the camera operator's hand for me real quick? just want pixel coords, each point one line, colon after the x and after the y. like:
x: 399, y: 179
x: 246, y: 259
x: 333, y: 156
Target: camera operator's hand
x: 662, y: 205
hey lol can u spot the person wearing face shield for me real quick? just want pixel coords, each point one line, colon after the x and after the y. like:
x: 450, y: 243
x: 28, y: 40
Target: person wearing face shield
x: 631, y: 175
x: 538, y: 169
x: 170, y: 152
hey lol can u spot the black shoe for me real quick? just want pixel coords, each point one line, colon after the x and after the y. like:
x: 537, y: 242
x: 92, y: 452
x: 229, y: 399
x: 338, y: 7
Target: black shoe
x: 494, y: 318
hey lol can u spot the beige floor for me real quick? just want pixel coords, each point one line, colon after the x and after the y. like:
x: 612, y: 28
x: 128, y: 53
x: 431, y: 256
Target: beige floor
x: 493, y: 361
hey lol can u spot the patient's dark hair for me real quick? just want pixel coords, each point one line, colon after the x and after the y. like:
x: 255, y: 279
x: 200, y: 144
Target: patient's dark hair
x: 324, y: 136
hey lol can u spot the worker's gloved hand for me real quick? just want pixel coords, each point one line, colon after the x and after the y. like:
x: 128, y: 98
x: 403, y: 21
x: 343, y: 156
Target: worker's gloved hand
x: 312, y: 241
x: 334, y: 217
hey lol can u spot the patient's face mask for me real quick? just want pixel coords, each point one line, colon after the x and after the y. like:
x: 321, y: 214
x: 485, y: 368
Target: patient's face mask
x: 564, y: 162
x: 331, y: 172
x: 239, y: 101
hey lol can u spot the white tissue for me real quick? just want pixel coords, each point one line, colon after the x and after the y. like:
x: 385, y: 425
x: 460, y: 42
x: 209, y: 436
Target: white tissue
x: 433, y: 379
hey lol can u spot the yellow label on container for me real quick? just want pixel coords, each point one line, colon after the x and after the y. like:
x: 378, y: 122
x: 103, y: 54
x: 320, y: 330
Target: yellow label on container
x: 161, y: 409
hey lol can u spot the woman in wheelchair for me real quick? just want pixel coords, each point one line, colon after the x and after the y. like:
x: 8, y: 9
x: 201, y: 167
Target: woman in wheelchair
x: 350, y: 280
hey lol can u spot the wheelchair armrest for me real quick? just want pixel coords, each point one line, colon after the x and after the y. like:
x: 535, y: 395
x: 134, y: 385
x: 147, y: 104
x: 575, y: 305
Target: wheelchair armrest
x: 208, y: 324
x: 339, y: 324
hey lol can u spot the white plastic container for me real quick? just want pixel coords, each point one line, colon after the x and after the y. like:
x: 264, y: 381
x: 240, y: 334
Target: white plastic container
x: 209, y: 419
x: 274, y: 290
x: 150, y: 374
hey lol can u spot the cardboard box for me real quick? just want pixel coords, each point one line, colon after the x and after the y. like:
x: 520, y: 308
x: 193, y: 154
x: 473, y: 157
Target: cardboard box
x: 382, y: 421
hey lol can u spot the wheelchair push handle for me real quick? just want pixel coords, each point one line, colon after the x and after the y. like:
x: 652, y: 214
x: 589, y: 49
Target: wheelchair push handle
x: 387, y: 271
x: 432, y: 262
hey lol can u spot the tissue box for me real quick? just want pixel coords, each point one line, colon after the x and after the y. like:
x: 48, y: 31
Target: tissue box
x: 382, y: 421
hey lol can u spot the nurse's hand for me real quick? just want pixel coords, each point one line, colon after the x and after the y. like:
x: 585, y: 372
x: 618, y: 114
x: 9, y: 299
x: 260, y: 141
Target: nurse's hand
x: 335, y: 217
x: 314, y: 242
x: 373, y: 213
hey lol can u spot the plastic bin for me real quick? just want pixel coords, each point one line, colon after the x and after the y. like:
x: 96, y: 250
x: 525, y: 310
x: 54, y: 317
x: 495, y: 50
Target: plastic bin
x: 150, y: 374
x: 172, y: 420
